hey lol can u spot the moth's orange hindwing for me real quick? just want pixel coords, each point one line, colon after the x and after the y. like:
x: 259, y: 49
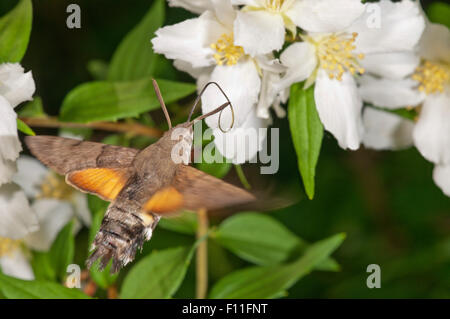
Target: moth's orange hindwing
x: 164, y: 201
x: 103, y: 182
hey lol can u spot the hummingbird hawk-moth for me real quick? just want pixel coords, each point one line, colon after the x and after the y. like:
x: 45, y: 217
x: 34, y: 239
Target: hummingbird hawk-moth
x: 141, y: 185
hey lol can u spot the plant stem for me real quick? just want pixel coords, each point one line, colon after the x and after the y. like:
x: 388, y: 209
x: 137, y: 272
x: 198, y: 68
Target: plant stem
x: 242, y: 177
x: 202, y: 256
x: 112, y: 292
x: 133, y: 128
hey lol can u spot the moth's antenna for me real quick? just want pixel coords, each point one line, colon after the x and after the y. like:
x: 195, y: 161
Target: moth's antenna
x: 161, y: 101
x: 219, y: 109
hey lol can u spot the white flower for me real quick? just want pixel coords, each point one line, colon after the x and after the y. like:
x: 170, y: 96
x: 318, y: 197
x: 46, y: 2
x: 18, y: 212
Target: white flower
x: 16, y: 217
x: 13, y: 259
x: 429, y: 87
x: 15, y: 87
x: 52, y: 216
x: 333, y: 53
x: 17, y: 220
x: 23, y: 227
x: 441, y: 176
x: 196, y: 6
x: 53, y: 200
x: 432, y: 132
x: 260, y: 25
x: 205, y: 48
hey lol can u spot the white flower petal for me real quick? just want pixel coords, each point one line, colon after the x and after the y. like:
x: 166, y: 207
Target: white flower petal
x: 194, y: 72
x: 393, y: 65
x: 441, y: 176
x: 242, y: 85
x: 53, y: 215
x: 339, y: 107
x: 325, y: 15
x: 268, y: 94
x: 432, y: 131
x: 259, y: 32
x: 388, y: 93
x: 269, y: 63
x: 7, y: 170
x: 435, y: 43
x: 254, y: 3
x: 15, y: 85
x: 202, y: 80
x: 386, y: 131
x: 224, y: 11
x: 17, y: 219
x: 400, y: 28
x: 30, y: 175
x: 195, y: 6
x: 300, y: 60
x: 82, y: 209
x: 242, y: 144
x: 9, y: 140
x: 190, y: 40
x: 16, y: 265
x: 281, y: 98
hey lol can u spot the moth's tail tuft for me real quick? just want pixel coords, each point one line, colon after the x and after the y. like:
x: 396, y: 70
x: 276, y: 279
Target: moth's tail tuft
x: 101, y: 253
x: 119, y: 237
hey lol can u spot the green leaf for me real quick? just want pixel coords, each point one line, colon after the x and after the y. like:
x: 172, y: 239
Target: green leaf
x: 52, y: 265
x: 21, y: 126
x: 134, y: 58
x: 103, y: 279
x: 62, y: 251
x: 15, y: 29
x: 13, y: 288
x: 439, y: 12
x: 306, y: 131
x: 32, y: 108
x: 158, y: 275
x: 262, y: 240
x: 273, y: 281
x: 42, y: 268
x: 185, y: 223
x: 258, y: 238
x: 108, y: 101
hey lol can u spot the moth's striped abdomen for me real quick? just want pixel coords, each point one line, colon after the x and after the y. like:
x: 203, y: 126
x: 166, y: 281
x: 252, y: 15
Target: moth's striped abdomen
x: 123, y: 230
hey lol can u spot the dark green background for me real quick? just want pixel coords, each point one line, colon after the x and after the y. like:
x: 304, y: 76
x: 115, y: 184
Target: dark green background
x: 386, y: 202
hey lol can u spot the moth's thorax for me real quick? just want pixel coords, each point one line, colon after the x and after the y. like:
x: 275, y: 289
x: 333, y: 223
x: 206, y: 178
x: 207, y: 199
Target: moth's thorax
x: 156, y: 165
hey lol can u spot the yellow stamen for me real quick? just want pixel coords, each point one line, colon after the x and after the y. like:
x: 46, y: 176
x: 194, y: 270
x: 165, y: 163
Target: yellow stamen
x: 54, y: 186
x: 227, y: 52
x: 432, y: 77
x: 336, y: 56
x: 8, y: 245
x: 274, y: 4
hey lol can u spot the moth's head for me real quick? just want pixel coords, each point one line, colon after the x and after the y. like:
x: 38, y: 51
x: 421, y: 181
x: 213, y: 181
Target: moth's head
x: 181, y: 137
x: 183, y: 132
